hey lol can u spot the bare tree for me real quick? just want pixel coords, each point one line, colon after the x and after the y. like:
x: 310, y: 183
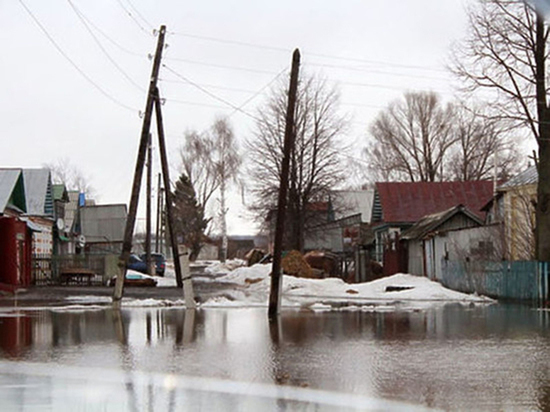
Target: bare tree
x: 483, y: 149
x: 505, y: 56
x: 227, y: 161
x: 412, y: 137
x: 198, y: 165
x: 315, y: 168
x: 65, y: 172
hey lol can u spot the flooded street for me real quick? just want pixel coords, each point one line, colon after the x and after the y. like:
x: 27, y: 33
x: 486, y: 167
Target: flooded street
x: 452, y: 357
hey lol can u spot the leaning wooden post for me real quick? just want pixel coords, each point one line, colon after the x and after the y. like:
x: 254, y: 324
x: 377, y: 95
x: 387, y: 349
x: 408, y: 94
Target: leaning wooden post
x: 184, y: 282
x: 276, y: 278
x: 138, y: 173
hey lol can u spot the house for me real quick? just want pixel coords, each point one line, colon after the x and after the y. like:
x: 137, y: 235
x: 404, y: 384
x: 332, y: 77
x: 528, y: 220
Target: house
x: 352, y: 211
x: 426, y: 241
x: 513, y: 208
x: 102, y: 228
x: 40, y: 209
x: 399, y: 205
x: 348, y: 235
x: 15, y: 234
x: 61, y: 238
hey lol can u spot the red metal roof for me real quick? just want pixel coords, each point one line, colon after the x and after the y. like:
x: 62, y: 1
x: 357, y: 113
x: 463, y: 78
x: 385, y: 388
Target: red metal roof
x: 410, y: 201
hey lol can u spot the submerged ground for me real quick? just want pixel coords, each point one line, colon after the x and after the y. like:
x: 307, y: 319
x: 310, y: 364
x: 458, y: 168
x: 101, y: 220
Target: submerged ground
x: 74, y: 352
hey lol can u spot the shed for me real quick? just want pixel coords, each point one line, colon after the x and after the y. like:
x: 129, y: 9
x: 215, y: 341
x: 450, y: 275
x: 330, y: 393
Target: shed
x: 399, y: 205
x: 424, y: 249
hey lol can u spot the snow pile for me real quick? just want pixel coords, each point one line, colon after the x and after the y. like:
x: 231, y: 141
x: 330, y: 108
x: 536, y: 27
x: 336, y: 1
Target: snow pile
x: 254, y: 283
x: 151, y: 303
x: 228, y: 266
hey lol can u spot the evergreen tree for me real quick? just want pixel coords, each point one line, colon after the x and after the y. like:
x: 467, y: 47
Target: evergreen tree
x: 190, y: 223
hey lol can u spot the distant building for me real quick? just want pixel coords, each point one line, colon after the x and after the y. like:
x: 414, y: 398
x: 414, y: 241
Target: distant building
x: 399, y: 205
x: 61, y: 238
x: 102, y: 228
x: 40, y: 208
x: 426, y: 242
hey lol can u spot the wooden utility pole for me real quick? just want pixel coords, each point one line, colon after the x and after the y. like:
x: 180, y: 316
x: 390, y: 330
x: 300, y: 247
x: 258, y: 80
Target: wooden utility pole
x: 167, y: 191
x: 159, y: 212
x: 276, y: 278
x: 138, y: 173
x: 151, y: 271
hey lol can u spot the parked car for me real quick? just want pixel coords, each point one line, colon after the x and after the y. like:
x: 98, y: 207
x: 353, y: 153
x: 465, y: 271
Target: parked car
x: 138, y: 264
x: 160, y: 262
x: 134, y: 278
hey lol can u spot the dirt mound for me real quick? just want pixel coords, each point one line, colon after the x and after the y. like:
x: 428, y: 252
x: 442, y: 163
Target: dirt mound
x: 294, y: 264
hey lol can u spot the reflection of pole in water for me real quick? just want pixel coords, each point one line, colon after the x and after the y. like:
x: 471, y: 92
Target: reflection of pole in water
x: 127, y: 362
x: 189, y: 326
x: 275, y: 332
x: 148, y: 327
x: 119, y: 327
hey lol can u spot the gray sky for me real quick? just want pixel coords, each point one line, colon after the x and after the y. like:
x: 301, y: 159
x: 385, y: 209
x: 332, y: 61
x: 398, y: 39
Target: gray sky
x: 373, y: 51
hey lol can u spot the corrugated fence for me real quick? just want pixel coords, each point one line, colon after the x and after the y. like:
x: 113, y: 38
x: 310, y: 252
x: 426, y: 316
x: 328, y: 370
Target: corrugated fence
x: 525, y: 281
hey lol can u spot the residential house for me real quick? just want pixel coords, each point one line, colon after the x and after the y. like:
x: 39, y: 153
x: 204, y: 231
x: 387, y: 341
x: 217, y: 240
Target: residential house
x: 426, y: 242
x: 513, y: 209
x: 15, y: 234
x: 351, y: 214
x: 40, y: 210
x: 348, y: 234
x: 71, y: 220
x: 399, y: 205
x: 61, y: 238
x: 102, y: 228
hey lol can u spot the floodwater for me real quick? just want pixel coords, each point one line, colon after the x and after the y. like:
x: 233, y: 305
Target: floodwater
x: 453, y: 357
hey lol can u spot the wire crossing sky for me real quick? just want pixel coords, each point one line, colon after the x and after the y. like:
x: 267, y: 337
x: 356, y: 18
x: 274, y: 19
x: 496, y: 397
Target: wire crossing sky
x: 74, y: 72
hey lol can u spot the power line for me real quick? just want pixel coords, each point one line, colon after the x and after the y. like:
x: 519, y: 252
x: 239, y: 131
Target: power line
x: 211, y: 86
x: 319, y: 55
x: 66, y: 56
x: 143, y: 29
x: 208, y: 92
x: 140, y: 15
x: 220, y: 66
x: 260, y: 91
x: 120, y: 69
x: 366, y: 70
x: 110, y: 39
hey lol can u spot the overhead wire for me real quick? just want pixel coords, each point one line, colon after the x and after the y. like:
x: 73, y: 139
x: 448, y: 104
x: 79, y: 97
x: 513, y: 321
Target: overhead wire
x: 110, y: 39
x: 71, y: 61
x: 220, y: 66
x: 312, y: 54
x: 140, y: 15
x: 132, y: 17
x: 96, y: 40
x: 260, y: 91
x: 211, y: 86
x: 208, y: 92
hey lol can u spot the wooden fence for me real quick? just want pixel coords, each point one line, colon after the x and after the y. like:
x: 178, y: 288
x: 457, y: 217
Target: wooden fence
x: 521, y: 280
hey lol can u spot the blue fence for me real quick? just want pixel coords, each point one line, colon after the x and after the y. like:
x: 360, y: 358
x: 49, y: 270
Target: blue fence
x: 526, y: 281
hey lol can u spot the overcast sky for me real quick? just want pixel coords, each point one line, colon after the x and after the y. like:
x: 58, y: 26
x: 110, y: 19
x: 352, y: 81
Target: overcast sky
x: 84, y: 105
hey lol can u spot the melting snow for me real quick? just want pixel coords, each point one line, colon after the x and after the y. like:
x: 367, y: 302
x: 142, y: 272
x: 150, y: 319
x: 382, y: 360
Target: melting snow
x: 314, y: 294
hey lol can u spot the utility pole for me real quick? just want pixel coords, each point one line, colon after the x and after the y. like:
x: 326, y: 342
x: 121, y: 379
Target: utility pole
x: 276, y: 278
x: 167, y: 191
x: 150, y: 270
x: 159, y: 211
x: 138, y: 173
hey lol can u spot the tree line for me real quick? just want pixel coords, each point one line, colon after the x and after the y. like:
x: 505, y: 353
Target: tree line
x: 418, y: 137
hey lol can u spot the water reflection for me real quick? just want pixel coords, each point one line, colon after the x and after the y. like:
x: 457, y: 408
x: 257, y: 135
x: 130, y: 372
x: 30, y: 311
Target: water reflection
x: 451, y: 357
